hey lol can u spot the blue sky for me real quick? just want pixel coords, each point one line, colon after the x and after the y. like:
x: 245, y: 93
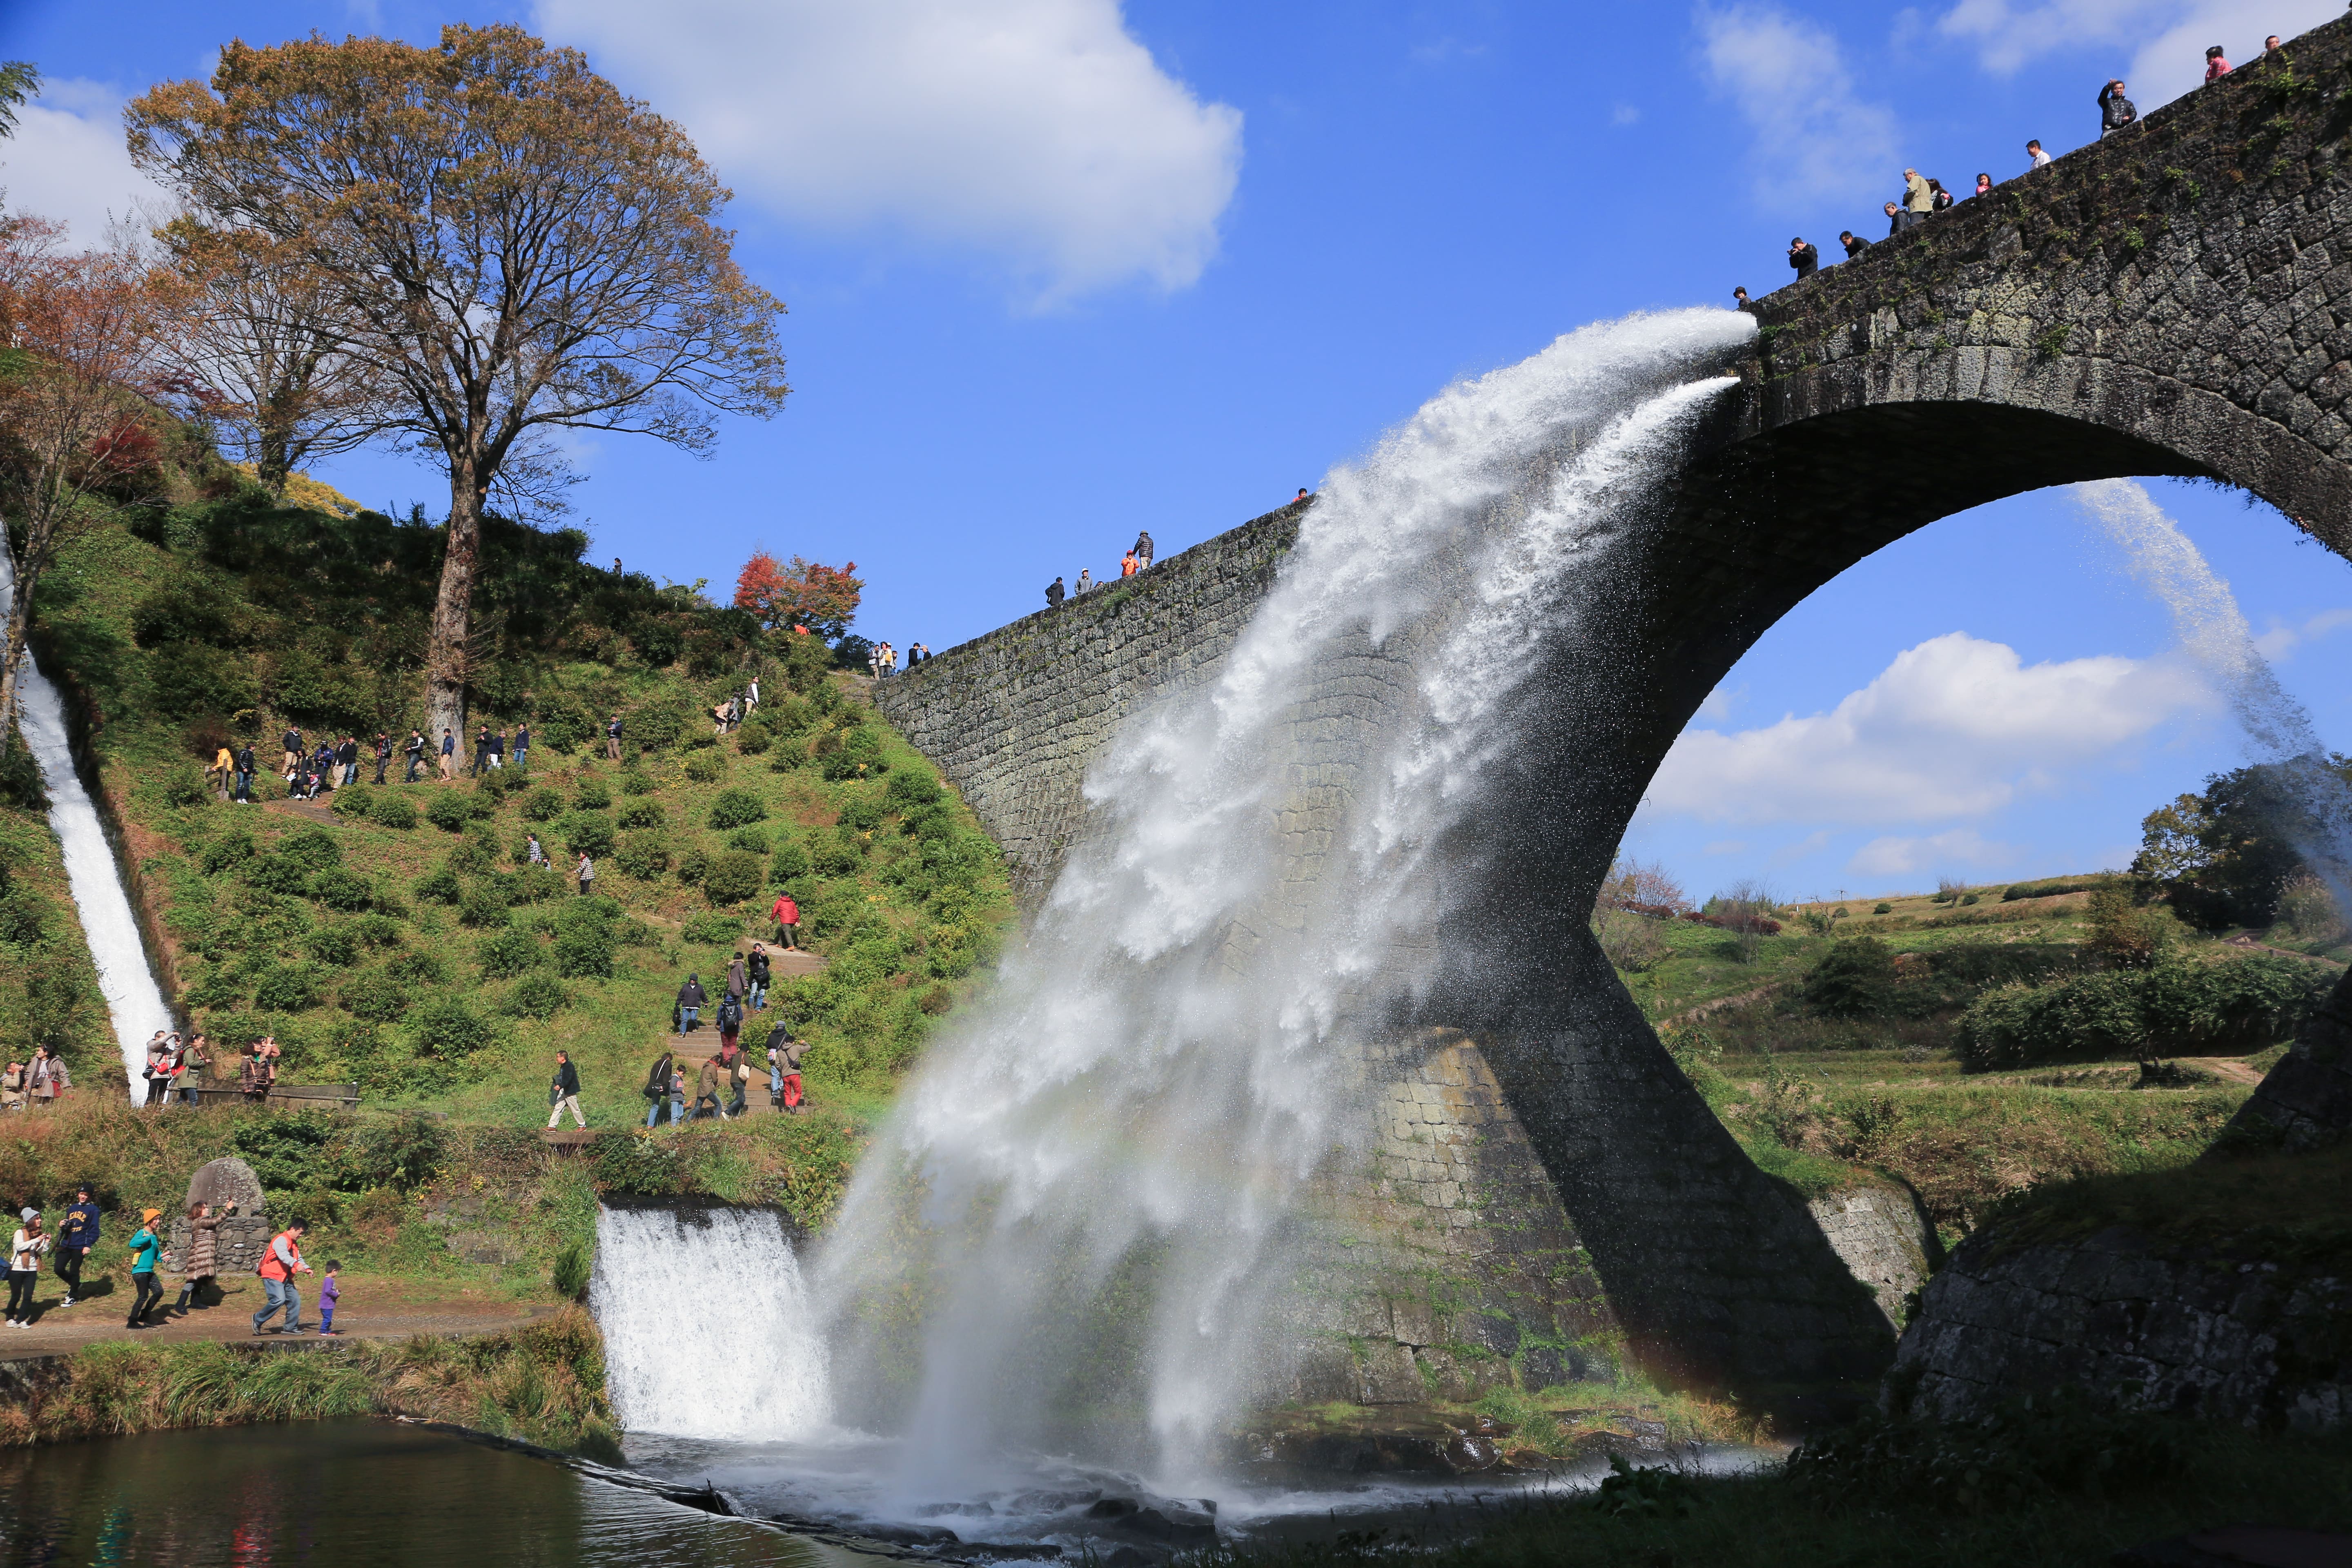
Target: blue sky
x: 1059, y: 269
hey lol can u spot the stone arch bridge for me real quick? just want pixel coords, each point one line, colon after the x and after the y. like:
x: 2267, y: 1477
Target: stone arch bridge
x: 2174, y: 300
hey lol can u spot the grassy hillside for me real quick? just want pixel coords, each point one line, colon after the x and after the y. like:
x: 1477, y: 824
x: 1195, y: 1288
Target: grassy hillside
x: 1822, y: 1079
x: 49, y: 987
x: 398, y: 939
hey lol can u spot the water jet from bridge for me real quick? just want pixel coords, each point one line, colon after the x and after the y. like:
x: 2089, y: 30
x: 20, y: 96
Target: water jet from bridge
x: 1074, y: 1229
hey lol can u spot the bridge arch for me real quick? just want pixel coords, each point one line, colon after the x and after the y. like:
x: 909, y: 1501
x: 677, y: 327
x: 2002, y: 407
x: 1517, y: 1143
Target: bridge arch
x: 2176, y: 299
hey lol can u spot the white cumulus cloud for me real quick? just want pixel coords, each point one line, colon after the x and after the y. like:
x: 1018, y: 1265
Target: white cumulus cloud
x: 67, y: 161
x: 2167, y: 38
x: 1787, y: 77
x: 1955, y: 727
x: 2281, y: 640
x: 1038, y: 132
x: 1959, y: 846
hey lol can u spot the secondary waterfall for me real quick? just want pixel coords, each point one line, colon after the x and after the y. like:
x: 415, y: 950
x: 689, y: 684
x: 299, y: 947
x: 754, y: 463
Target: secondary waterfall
x: 134, y: 1003
x: 1074, y: 1221
x: 708, y: 1332
x: 2214, y: 632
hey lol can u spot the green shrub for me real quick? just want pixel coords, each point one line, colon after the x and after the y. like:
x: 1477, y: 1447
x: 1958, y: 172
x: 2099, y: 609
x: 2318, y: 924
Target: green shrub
x: 509, y: 952
x: 862, y: 810
x: 636, y: 782
x: 542, y: 804
x: 225, y: 849
x: 1967, y: 898
x: 277, y: 874
x: 341, y: 889
x: 693, y: 866
x: 832, y: 856
x: 584, y: 952
x: 376, y: 930
x: 417, y: 969
x: 736, y: 808
x: 287, y: 988
x: 446, y: 1029
x: 910, y: 792
x: 356, y: 803
x: 441, y: 887
x: 537, y: 995
x: 588, y: 833
x: 377, y: 996
x: 593, y: 796
x: 2053, y: 888
x: 312, y: 848
x: 644, y: 856
x: 734, y: 876
x: 563, y: 726
x: 858, y: 756
x: 791, y: 861
x: 656, y: 724
x: 449, y: 811
x: 788, y: 755
x: 1884, y: 910
x: 753, y: 738
x: 1855, y: 979
x: 707, y: 768
x: 713, y: 927
x: 189, y: 678
x: 2174, y: 1010
x: 751, y: 840
x: 336, y: 945
x: 573, y: 1267
x: 484, y: 905
x: 395, y: 811
x: 643, y: 814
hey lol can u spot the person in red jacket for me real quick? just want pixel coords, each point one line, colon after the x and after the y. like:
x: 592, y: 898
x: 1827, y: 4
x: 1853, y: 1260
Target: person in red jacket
x: 788, y: 922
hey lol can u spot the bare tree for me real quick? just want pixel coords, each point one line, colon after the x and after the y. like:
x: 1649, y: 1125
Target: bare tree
x: 513, y: 245
x: 256, y: 340
x: 80, y: 332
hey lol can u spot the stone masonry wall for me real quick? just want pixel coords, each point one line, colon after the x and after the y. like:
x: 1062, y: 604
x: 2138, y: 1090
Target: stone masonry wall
x: 2223, y: 1339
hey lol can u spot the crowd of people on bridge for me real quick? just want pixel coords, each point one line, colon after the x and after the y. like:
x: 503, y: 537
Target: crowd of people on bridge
x: 1923, y: 195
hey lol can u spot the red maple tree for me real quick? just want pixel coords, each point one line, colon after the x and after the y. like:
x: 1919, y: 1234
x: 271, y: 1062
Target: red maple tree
x: 804, y: 594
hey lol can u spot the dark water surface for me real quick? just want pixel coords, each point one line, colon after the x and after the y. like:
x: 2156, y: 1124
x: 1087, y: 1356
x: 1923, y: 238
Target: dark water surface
x: 352, y: 1494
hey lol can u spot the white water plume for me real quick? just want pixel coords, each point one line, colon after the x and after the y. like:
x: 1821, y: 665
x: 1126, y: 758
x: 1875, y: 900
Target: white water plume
x: 134, y: 1003
x: 1077, y: 1215
x: 2214, y: 632
x: 708, y: 1332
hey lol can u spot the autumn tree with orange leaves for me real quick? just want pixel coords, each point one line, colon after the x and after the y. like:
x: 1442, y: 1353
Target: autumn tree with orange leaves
x: 82, y: 333
x: 824, y: 599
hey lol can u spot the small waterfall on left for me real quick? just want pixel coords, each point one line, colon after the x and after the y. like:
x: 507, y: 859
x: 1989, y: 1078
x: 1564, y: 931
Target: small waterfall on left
x: 133, y: 1001
x: 708, y: 1328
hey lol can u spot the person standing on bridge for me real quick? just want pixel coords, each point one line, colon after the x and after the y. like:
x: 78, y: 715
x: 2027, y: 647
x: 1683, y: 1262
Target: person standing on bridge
x: 1918, y: 200
x: 1854, y: 244
x: 1086, y: 581
x: 1805, y: 258
x: 2217, y: 64
x: 1055, y: 594
x: 1143, y: 552
x: 2116, y: 110
x: 1984, y: 185
x: 2034, y: 153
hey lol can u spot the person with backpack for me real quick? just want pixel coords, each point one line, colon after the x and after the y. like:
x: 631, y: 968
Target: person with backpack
x: 730, y: 1021
x: 784, y: 1055
x: 279, y: 1266
x: 657, y: 1090
x: 146, y: 1246
x: 382, y: 754
x: 690, y: 999
x: 739, y: 978
x: 563, y: 1094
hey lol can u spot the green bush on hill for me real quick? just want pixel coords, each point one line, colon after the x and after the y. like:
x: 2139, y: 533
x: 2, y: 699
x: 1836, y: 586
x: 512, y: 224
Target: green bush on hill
x: 2174, y: 1010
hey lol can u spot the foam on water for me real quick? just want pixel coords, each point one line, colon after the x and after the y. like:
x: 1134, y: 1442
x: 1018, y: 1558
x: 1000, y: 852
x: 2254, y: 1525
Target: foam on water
x: 708, y: 1332
x: 134, y: 1003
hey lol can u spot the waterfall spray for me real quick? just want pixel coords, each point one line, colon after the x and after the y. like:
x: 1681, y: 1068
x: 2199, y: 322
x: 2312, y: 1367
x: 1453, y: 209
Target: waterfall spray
x: 2212, y: 630
x: 1078, y: 1217
x: 134, y: 1002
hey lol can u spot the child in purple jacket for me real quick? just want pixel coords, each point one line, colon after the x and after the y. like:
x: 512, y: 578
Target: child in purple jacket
x: 329, y: 1294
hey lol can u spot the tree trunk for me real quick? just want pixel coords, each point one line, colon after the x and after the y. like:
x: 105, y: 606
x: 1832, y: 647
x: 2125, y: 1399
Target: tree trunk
x: 447, y: 657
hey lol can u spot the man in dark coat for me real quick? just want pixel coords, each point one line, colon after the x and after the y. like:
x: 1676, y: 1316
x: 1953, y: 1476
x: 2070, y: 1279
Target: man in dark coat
x: 690, y: 999
x: 76, y: 1236
x: 2116, y: 110
x: 1054, y: 594
x: 1805, y: 258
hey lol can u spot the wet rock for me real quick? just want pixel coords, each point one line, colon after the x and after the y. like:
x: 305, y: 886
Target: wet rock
x: 1114, y: 1508
x: 909, y: 1534
x: 2241, y: 1546
x: 1041, y: 1501
x: 1173, y: 1524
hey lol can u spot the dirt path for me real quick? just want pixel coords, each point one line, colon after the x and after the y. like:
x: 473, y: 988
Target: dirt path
x: 1703, y: 1008
x: 370, y: 1310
